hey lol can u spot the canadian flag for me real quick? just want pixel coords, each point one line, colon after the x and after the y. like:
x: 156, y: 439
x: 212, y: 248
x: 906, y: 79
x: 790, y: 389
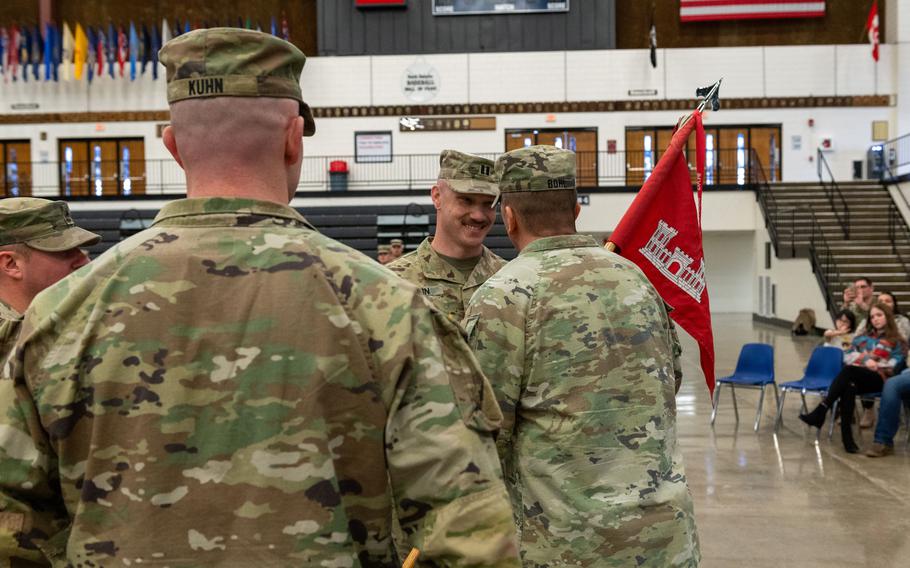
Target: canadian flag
x: 661, y: 233
x: 872, y: 28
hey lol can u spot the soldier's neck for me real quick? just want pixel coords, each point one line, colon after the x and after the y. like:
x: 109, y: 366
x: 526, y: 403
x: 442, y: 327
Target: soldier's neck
x: 263, y: 185
x: 15, y: 298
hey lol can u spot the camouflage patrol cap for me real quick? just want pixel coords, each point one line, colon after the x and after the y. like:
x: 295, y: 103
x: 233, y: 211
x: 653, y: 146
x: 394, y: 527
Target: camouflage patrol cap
x: 383, y: 249
x: 536, y: 168
x: 231, y: 62
x: 467, y: 173
x: 41, y: 224
x: 398, y: 242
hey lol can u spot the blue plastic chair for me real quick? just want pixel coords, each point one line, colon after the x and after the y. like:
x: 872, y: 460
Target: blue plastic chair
x: 754, y: 370
x: 824, y: 364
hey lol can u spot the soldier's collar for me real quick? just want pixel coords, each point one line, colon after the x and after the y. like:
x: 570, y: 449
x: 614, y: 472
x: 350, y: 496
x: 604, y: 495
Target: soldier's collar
x: 8, y: 313
x: 560, y: 242
x: 225, y: 205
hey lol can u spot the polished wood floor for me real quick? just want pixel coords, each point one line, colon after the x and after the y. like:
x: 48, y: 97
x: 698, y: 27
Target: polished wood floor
x: 775, y: 500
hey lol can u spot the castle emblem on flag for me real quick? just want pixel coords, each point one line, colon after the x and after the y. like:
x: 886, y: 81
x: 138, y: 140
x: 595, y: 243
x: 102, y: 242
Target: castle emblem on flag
x: 676, y: 265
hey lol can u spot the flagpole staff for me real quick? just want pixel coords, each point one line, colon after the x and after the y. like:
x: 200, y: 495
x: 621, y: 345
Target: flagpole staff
x: 710, y: 94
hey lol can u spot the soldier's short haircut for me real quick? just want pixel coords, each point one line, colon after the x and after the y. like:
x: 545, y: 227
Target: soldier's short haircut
x: 20, y: 248
x: 544, y: 212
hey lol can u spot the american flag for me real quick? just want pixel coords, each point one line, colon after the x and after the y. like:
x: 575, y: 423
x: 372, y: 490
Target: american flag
x: 704, y: 10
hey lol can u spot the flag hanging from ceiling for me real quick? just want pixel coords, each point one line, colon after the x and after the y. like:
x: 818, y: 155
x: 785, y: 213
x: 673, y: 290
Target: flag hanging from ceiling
x: 707, y: 10
x: 872, y: 28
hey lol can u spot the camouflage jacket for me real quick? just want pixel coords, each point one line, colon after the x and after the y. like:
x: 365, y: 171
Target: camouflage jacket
x: 9, y: 329
x: 444, y: 286
x: 577, y: 345
x: 230, y: 387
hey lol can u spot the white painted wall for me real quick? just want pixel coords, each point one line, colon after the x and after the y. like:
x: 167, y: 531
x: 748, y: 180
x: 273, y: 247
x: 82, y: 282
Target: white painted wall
x: 557, y: 76
x: 796, y: 285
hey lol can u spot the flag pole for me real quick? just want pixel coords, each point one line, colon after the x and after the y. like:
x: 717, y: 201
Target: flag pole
x: 710, y: 94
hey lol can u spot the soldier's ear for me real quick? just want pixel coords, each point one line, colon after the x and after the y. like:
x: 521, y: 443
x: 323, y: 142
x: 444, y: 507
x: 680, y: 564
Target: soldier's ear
x: 170, y: 142
x: 577, y: 210
x: 509, y: 220
x: 435, y: 196
x: 10, y: 265
x: 293, y: 145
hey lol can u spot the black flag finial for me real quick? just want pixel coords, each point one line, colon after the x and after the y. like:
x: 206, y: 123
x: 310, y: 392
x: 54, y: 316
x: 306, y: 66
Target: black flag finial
x: 711, y: 96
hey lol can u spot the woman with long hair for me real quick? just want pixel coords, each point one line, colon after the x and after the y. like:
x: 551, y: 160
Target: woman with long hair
x: 869, y: 363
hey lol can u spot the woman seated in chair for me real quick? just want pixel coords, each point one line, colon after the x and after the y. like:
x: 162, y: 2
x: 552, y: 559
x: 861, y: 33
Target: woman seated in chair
x: 903, y: 327
x: 844, y: 328
x: 869, y: 363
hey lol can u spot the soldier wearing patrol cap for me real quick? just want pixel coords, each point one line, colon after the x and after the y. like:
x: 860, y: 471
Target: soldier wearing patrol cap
x: 450, y: 266
x: 396, y: 248
x: 577, y: 345
x: 230, y: 387
x: 39, y: 245
x: 384, y: 254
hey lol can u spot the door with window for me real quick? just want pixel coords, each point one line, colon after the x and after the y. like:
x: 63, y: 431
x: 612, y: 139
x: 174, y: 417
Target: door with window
x: 582, y: 141
x: 102, y: 167
x: 15, y: 168
x: 729, y: 152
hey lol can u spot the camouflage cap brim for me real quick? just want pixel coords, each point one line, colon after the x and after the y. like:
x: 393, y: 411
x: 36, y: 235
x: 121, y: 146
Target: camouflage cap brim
x: 73, y: 237
x: 473, y: 186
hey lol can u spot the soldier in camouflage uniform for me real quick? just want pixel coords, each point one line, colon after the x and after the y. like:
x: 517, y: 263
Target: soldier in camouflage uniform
x: 383, y: 254
x: 396, y: 248
x: 449, y: 267
x: 231, y: 388
x: 39, y: 245
x: 577, y: 345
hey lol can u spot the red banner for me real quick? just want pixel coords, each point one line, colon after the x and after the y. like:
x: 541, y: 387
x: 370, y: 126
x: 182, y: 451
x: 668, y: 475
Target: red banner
x: 661, y: 233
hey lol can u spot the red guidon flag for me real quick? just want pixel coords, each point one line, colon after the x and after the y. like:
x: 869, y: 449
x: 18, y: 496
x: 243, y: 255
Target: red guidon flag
x: 661, y: 233
x: 872, y: 28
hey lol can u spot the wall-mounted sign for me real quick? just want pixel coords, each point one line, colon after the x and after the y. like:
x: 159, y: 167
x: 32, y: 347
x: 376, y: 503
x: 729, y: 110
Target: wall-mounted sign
x: 467, y: 7
x: 24, y: 106
x: 420, y: 81
x: 611, y: 146
x: 584, y: 199
x: 796, y: 142
x: 445, y: 123
x: 373, y: 147
x: 642, y: 92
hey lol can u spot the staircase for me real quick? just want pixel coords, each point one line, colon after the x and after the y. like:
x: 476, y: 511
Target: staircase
x: 805, y: 224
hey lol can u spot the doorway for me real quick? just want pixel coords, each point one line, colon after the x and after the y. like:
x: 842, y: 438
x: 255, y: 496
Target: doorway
x: 15, y: 168
x: 102, y: 167
x: 731, y: 152
x: 582, y: 141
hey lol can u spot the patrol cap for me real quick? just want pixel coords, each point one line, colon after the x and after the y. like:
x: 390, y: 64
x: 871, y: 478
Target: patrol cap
x: 467, y: 173
x: 394, y: 242
x: 383, y: 249
x: 41, y: 224
x: 232, y: 62
x: 536, y: 168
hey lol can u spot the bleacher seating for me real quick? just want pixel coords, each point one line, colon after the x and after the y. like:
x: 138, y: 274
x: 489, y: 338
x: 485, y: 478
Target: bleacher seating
x: 356, y: 226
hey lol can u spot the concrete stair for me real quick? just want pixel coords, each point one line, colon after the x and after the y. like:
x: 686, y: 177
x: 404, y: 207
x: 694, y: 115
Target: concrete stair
x: 866, y: 252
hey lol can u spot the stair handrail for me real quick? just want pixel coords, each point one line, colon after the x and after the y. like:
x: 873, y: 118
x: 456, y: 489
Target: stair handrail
x: 824, y: 264
x: 834, y: 193
x: 897, y: 225
x: 895, y: 154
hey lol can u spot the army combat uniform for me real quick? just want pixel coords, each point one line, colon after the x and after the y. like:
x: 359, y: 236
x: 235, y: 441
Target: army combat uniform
x: 577, y: 345
x: 40, y: 224
x: 446, y: 286
x: 229, y: 387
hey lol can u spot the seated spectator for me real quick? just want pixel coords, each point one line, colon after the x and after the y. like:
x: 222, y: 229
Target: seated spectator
x: 895, y: 391
x: 858, y: 297
x: 870, y: 362
x: 842, y: 334
x: 903, y: 327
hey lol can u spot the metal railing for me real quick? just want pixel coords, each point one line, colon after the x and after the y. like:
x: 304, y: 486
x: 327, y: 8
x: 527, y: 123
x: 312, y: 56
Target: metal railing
x: 896, y: 157
x: 781, y: 224
x: 897, y: 225
x: 834, y: 194
x: 727, y: 168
